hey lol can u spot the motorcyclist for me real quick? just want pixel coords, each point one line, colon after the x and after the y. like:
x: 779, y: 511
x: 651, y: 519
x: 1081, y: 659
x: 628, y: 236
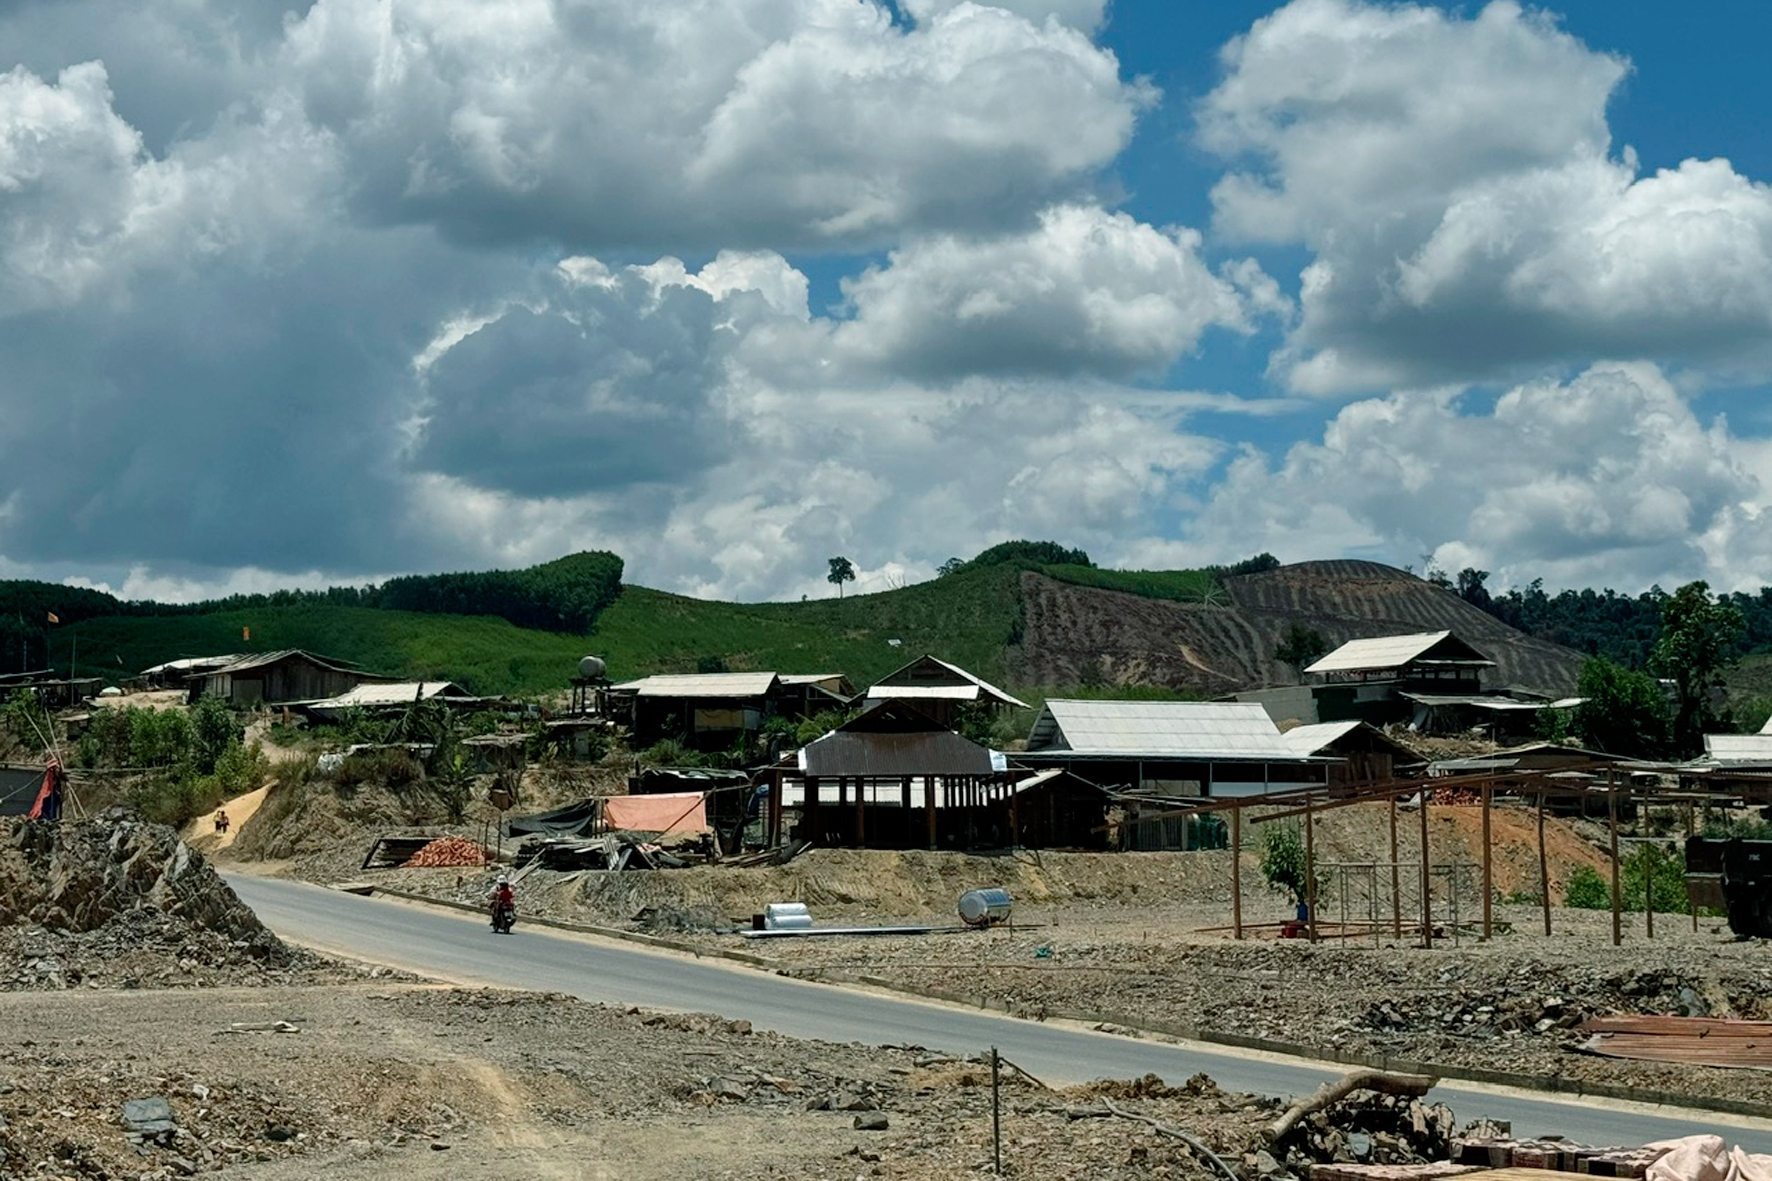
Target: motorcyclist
x: 504, y: 900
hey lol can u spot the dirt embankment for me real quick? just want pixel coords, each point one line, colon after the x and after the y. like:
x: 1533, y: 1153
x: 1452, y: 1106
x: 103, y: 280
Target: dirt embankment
x: 116, y: 901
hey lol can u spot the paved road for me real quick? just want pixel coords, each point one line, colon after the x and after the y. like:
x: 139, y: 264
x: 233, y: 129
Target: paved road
x: 459, y: 947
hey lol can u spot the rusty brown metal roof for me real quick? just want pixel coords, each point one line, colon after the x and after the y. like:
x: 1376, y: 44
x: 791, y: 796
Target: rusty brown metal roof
x: 1692, y: 1041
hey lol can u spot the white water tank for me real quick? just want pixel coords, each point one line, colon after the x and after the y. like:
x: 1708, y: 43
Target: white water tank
x: 591, y: 668
x: 786, y: 916
x: 985, y: 907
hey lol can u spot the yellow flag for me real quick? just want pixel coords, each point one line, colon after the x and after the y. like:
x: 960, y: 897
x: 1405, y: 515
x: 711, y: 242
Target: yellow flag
x: 53, y: 617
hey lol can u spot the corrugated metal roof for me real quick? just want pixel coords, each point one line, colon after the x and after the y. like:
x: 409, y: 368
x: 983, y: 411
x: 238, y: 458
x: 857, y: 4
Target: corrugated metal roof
x: 1739, y: 748
x: 263, y: 659
x: 1475, y: 701
x: 885, y: 754
x: 395, y: 693
x: 1308, y: 740
x: 924, y: 692
x: 1381, y: 652
x: 192, y: 662
x: 1159, y: 730
x: 703, y: 685
x: 1767, y: 728
x: 989, y: 689
x: 808, y: 678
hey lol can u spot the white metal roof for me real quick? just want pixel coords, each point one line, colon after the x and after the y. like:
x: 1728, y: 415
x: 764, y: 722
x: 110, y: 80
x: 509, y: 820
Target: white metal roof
x: 947, y: 692
x: 1308, y: 740
x: 809, y: 678
x: 1159, y: 730
x: 991, y: 690
x: 396, y: 693
x: 1381, y: 652
x: 1739, y: 748
x: 189, y: 662
x: 703, y: 685
x: 1767, y: 728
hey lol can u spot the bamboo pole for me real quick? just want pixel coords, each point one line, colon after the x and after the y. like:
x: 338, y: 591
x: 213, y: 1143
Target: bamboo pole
x: 1427, y: 906
x: 1617, y: 898
x: 1543, y: 868
x: 1488, y: 866
x: 1396, y: 878
x: 1237, y: 871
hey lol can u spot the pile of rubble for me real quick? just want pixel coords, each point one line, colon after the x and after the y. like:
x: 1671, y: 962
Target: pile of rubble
x: 117, y: 902
x: 448, y: 852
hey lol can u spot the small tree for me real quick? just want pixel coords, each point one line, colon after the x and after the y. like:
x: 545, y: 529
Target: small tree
x: 1301, y: 646
x: 842, y: 570
x: 1622, y: 712
x: 951, y: 566
x: 1698, y: 641
x: 1282, y: 863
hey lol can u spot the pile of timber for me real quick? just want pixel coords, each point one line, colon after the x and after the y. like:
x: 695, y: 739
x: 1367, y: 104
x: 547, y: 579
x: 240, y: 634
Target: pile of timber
x: 612, y: 851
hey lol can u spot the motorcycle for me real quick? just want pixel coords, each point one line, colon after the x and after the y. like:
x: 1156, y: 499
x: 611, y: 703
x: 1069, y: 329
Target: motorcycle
x: 504, y: 917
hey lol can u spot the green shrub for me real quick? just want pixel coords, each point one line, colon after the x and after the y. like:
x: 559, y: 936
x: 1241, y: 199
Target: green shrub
x: 1587, y: 890
x: 1663, y: 871
x: 214, y: 728
x: 391, y: 767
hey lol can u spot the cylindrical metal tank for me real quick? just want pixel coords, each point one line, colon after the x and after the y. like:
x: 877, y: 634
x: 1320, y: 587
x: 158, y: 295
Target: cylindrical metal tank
x: 786, y: 916
x: 591, y: 668
x: 985, y: 907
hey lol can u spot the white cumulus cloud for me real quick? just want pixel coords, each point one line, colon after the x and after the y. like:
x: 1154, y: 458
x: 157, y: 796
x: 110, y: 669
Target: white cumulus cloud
x: 1456, y: 182
x: 1606, y: 479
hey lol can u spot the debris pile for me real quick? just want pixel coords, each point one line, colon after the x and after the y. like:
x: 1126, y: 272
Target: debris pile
x: 114, y: 901
x: 448, y: 852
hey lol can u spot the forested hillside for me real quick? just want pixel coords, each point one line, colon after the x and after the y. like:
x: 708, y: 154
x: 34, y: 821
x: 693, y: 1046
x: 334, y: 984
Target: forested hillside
x: 564, y: 596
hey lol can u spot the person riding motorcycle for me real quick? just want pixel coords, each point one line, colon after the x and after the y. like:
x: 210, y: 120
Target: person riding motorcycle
x: 504, y: 903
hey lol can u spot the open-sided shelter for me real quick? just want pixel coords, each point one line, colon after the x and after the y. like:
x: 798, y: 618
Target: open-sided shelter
x: 896, y: 778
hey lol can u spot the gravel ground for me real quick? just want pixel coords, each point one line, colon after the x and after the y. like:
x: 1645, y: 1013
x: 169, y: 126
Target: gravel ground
x: 371, y: 1081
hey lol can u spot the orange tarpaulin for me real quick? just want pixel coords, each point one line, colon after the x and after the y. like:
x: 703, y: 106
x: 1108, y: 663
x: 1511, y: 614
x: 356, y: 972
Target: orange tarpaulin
x: 676, y: 811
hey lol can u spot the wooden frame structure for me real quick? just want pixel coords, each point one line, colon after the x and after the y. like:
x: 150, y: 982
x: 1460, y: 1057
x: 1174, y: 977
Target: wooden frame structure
x: 1537, y: 785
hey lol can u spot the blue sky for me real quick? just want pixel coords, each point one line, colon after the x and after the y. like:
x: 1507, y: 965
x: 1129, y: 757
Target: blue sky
x: 294, y: 296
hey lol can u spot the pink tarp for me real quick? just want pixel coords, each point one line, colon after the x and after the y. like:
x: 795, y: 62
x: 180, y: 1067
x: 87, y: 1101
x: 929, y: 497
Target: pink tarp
x: 675, y: 811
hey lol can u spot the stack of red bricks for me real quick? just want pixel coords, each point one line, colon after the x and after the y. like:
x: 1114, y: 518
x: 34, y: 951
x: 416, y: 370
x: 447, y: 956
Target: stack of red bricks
x: 448, y: 851
x: 1562, y: 1155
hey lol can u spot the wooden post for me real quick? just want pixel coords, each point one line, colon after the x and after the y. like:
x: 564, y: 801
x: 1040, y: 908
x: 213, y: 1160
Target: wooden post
x: 904, y: 797
x: 1396, y: 878
x: 1648, y: 890
x: 1488, y: 866
x: 775, y: 834
x: 929, y: 803
x: 1014, y: 817
x: 1691, y: 905
x: 1237, y: 872
x: 1617, y: 899
x: 1427, y: 905
x: 1543, y: 867
x: 809, y: 811
x: 861, y: 814
x: 1310, y: 869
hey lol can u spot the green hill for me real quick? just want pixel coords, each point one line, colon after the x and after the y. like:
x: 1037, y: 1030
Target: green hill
x: 968, y: 617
